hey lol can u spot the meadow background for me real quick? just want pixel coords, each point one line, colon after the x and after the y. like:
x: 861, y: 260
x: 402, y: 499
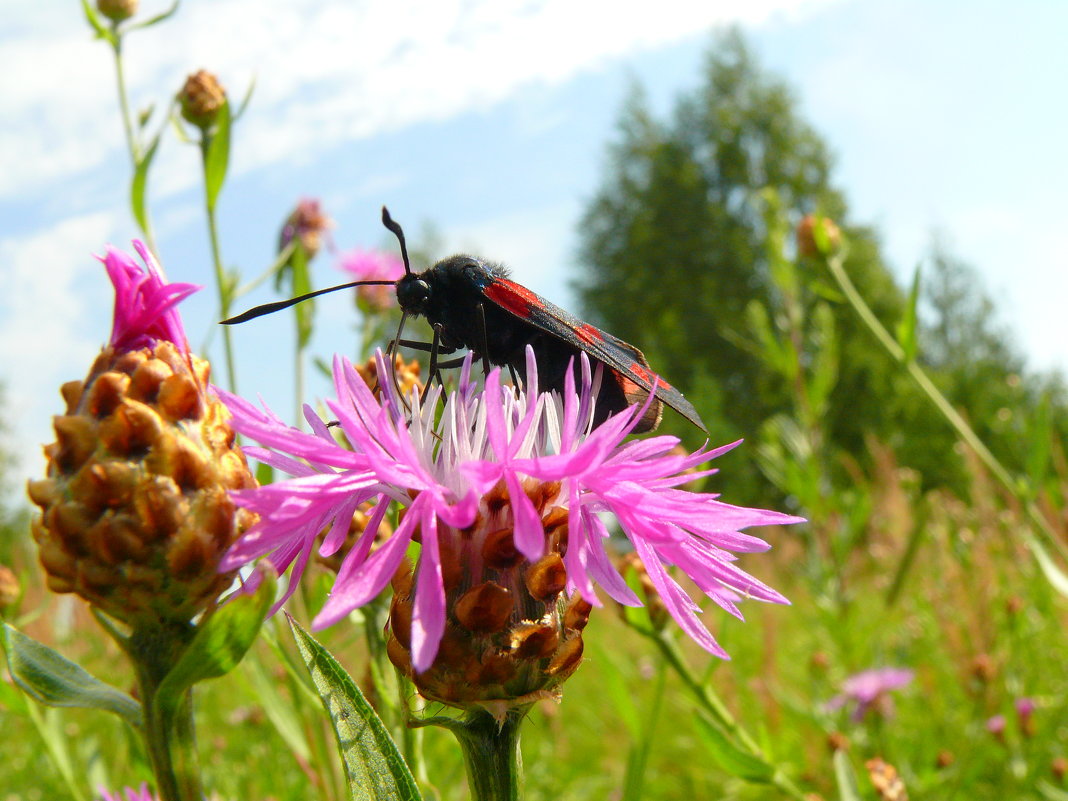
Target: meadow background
x: 650, y: 173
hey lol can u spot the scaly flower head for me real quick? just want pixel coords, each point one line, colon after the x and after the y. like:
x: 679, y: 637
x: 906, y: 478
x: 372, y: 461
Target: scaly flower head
x: 506, y: 494
x: 135, y: 514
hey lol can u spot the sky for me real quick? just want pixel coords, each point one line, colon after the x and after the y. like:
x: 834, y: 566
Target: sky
x: 490, y: 119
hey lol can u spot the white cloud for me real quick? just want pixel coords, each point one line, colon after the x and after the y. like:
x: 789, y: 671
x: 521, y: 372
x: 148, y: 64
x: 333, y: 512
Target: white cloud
x: 325, y: 72
x: 43, y: 318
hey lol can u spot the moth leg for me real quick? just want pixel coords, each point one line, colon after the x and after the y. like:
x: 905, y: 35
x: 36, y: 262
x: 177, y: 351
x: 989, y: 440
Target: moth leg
x: 484, y: 350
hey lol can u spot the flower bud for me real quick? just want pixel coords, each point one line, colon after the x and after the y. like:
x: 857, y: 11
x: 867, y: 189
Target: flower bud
x: 814, y: 230
x: 201, y: 98
x: 118, y: 10
x: 306, y: 223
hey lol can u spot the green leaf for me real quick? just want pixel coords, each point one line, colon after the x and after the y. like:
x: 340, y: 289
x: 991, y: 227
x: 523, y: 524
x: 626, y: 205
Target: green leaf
x: 52, y: 679
x: 219, y: 644
x: 373, y: 765
x: 245, y: 100
x: 140, y: 180
x: 217, y: 156
x: 729, y: 756
x: 845, y: 777
x: 906, y: 329
x: 102, y: 30
x: 148, y: 23
x: 280, y: 711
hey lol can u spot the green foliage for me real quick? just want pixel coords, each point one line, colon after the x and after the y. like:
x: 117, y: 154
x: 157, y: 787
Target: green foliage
x: 373, y: 764
x: 686, y: 248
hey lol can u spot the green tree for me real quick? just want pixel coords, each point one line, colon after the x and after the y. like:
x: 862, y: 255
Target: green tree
x: 674, y: 247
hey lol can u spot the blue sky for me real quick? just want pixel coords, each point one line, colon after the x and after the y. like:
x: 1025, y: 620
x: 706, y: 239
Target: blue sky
x: 490, y: 120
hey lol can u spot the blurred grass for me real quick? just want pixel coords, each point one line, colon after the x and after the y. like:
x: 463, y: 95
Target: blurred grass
x: 973, y: 617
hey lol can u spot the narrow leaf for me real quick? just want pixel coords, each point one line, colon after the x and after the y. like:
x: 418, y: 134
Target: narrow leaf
x: 139, y: 182
x: 279, y: 710
x: 846, y: 778
x: 245, y: 100
x: 52, y: 679
x: 906, y: 328
x: 373, y: 765
x: 148, y: 23
x: 102, y: 31
x: 729, y: 756
x: 217, y: 156
x: 220, y: 643
x: 1054, y: 575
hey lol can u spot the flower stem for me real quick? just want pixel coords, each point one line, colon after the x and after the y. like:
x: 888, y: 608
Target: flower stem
x: 136, y: 153
x: 965, y: 431
x: 171, y: 744
x: 221, y: 283
x: 713, y: 704
x: 491, y: 754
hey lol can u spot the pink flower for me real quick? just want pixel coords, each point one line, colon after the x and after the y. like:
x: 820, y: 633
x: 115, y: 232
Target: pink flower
x: 129, y: 794
x: 870, y: 689
x: 441, y: 468
x: 373, y: 265
x: 145, y: 306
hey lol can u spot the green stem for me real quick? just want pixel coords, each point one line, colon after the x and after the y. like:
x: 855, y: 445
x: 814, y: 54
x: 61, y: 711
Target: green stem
x: 298, y: 378
x: 491, y: 755
x: 132, y: 144
x: 171, y: 745
x: 221, y: 284
x: 965, y: 431
x: 714, y: 705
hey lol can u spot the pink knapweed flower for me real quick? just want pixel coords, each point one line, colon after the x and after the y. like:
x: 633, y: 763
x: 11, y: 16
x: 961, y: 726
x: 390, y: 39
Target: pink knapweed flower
x: 373, y: 265
x: 870, y: 689
x: 146, y: 306
x: 128, y: 794
x: 453, y: 472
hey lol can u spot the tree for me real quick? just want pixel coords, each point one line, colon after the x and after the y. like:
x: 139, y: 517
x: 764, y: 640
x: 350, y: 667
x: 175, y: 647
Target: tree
x: 674, y: 248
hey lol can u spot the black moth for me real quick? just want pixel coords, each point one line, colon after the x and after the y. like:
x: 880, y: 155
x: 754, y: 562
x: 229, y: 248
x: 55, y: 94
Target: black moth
x: 473, y: 305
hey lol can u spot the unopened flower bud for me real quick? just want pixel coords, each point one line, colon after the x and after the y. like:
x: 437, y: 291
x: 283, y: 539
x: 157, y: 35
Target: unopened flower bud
x: 306, y: 223
x: 201, y: 98
x: 944, y: 759
x: 1059, y: 768
x: 1025, y: 711
x: 814, y: 230
x: 118, y: 10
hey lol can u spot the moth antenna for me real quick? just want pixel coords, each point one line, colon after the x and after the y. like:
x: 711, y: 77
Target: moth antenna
x: 278, y: 305
x: 398, y: 232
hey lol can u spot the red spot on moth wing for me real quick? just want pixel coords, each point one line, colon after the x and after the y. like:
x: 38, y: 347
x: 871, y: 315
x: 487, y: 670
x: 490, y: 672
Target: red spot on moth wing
x: 587, y: 333
x: 513, y: 297
x: 643, y: 373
